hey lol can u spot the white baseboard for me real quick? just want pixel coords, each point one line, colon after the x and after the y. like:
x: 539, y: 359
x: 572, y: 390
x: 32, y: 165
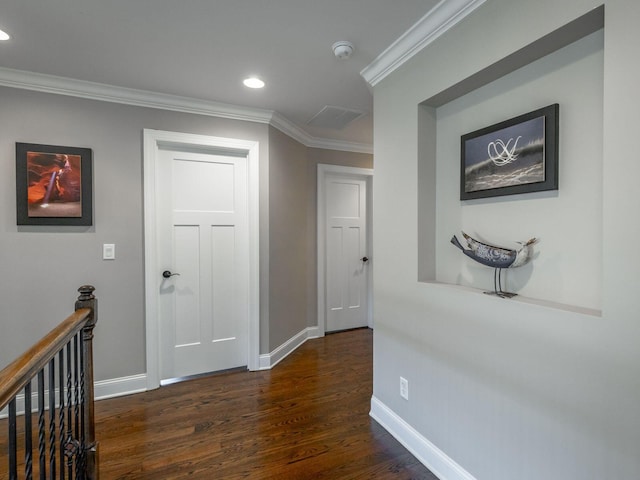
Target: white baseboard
x: 426, y: 452
x: 270, y: 360
x: 115, y: 387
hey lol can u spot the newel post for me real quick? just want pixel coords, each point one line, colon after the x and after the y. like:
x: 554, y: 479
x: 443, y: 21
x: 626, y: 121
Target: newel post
x: 90, y: 447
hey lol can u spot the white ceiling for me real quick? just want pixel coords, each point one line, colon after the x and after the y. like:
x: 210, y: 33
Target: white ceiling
x: 204, y: 48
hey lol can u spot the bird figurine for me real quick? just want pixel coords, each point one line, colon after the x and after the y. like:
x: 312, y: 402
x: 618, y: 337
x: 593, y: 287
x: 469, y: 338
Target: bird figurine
x: 496, y: 257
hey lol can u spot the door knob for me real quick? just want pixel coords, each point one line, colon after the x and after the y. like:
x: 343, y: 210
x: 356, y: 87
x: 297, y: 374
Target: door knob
x: 365, y: 259
x: 167, y: 274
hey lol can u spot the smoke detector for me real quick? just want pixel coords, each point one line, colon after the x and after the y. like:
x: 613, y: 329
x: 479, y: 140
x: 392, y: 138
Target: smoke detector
x: 342, y: 49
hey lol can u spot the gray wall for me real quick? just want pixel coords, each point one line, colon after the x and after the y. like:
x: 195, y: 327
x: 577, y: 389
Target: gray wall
x: 513, y: 389
x: 287, y: 238
x: 293, y: 232
x: 317, y: 156
x: 43, y: 266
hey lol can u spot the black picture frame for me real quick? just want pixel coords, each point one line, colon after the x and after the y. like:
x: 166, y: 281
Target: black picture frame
x: 519, y: 155
x: 53, y: 185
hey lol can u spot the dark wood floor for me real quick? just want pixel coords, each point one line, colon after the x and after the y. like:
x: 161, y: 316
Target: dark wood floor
x: 307, y: 418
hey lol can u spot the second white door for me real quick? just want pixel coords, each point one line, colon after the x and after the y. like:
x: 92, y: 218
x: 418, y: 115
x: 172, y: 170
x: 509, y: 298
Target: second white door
x: 346, y: 253
x: 203, y: 253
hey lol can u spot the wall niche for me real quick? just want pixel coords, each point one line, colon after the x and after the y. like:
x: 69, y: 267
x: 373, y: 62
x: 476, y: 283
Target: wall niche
x: 565, y: 67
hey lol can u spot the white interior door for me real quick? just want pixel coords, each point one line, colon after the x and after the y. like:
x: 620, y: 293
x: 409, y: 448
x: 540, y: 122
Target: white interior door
x: 346, y: 253
x: 202, y: 223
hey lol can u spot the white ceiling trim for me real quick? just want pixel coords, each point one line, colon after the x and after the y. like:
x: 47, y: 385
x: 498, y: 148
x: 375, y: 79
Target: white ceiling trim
x: 142, y: 98
x: 295, y: 132
x: 436, y: 22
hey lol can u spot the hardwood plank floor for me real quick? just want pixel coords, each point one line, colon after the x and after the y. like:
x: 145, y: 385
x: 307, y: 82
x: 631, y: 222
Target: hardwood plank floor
x: 307, y: 418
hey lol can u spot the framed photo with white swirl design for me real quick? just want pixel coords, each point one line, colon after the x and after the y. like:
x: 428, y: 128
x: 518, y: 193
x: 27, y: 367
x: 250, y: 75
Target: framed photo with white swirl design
x: 519, y: 155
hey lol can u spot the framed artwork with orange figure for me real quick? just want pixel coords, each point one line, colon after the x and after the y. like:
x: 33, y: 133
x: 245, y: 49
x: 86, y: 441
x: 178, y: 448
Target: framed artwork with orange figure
x: 53, y: 185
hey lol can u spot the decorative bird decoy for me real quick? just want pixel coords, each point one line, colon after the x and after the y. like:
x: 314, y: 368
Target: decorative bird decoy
x: 497, y: 258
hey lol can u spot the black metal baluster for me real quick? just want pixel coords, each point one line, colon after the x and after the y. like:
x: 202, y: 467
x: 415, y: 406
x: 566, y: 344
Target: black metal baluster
x: 28, y: 447
x: 52, y: 419
x: 83, y: 463
x: 76, y: 391
x: 68, y: 445
x: 41, y: 437
x: 13, y: 442
x: 61, y: 411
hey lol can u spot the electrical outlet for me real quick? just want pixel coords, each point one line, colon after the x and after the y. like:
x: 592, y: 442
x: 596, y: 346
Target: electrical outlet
x: 404, y: 388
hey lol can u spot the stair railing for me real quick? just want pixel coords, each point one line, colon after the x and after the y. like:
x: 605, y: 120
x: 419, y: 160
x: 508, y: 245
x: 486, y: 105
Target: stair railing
x: 61, y: 368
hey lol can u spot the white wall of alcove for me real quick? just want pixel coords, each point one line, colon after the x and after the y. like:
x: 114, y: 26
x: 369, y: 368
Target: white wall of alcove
x: 567, y: 265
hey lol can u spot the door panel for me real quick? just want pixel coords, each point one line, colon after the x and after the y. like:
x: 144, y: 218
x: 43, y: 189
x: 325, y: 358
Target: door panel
x: 343, y: 199
x: 335, y: 260
x: 187, y: 289
x: 194, y: 183
x: 203, y: 225
x: 354, y: 267
x: 222, y: 274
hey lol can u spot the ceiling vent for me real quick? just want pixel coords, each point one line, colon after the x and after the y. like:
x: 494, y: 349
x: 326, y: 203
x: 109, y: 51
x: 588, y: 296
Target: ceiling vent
x: 334, y: 117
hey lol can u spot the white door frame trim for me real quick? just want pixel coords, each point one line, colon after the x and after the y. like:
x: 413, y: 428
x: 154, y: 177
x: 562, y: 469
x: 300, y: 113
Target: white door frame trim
x: 352, y: 172
x: 153, y: 140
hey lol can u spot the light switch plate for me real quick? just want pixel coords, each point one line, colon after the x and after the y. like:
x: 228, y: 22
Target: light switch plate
x: 108, y: 251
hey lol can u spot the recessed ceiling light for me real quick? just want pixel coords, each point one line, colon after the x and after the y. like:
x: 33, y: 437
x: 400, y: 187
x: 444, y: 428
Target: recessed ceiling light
x: 4, y: 35
x: 253, y: 82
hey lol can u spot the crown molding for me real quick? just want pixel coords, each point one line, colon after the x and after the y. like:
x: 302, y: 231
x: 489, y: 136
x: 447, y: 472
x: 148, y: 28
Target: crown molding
x: 128, y: 96
x: 143, y: 98
x: 295, y: 132
x: 437, y: 21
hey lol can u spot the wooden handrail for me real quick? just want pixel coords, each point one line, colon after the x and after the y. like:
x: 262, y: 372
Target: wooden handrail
x: 17, y: 374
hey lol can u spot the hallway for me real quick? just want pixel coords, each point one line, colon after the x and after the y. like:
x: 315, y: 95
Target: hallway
x: 305, y: 419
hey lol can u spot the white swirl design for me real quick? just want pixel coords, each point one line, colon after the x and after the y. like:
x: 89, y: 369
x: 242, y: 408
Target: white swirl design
x: 501, y: 153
